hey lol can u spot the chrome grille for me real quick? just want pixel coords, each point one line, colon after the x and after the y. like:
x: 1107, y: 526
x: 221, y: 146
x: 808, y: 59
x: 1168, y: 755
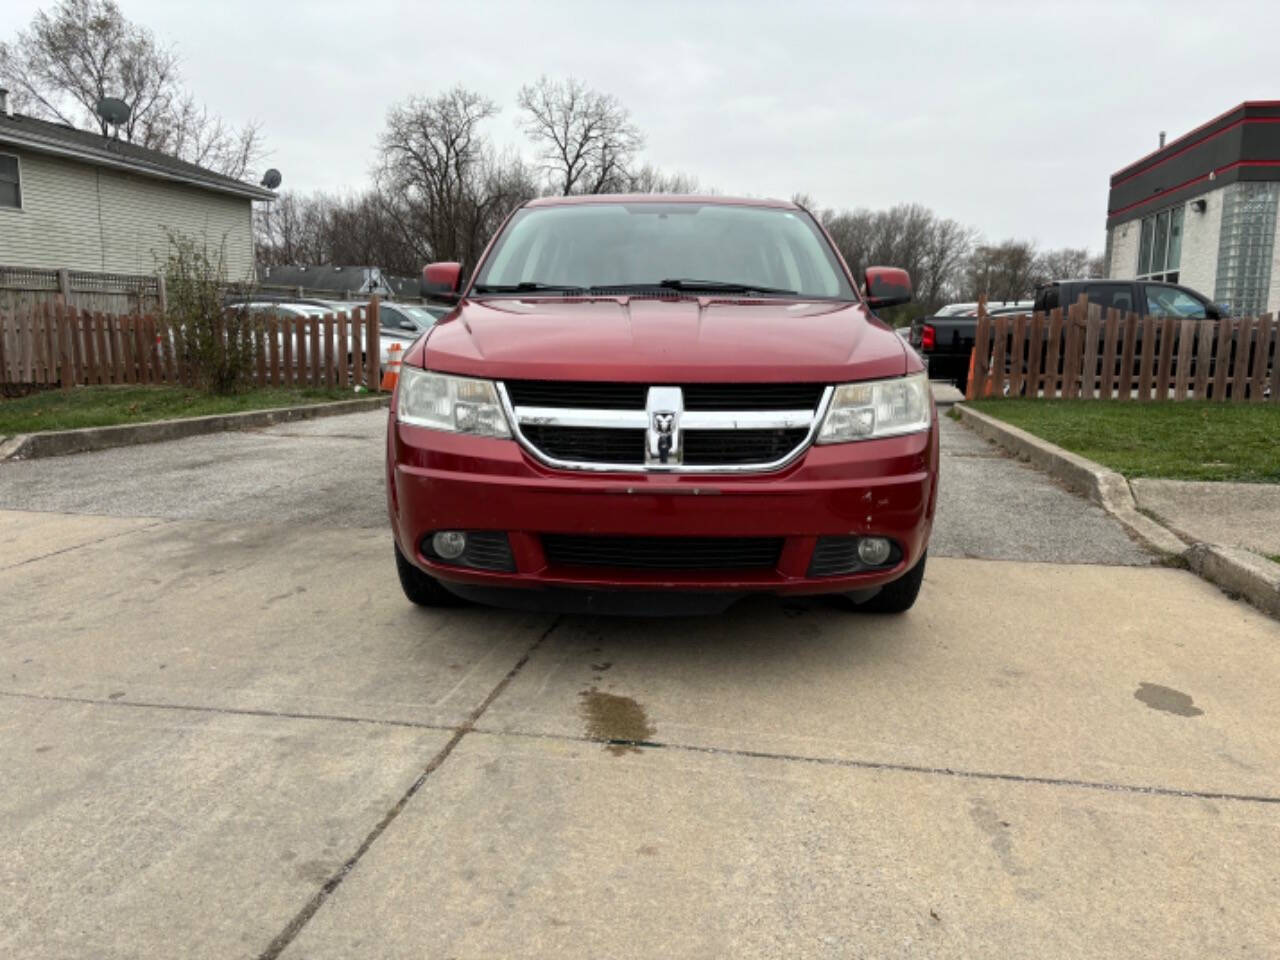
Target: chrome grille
x: 697, y: 428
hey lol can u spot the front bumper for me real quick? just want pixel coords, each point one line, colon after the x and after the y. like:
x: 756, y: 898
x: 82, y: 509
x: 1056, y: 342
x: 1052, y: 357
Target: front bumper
x: 443, y: 481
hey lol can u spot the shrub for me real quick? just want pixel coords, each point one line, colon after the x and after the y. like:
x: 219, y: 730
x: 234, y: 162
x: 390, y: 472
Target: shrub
x: 215, y: 341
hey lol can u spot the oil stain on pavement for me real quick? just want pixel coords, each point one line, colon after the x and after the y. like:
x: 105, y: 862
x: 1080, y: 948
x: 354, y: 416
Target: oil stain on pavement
x: 1167, y: 699
x: 619, y: 721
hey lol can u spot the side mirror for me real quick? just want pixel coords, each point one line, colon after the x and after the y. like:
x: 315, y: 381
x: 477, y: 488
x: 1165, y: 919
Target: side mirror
x: 887, y: 287
x: 409, y: 325
x: 441, y: 281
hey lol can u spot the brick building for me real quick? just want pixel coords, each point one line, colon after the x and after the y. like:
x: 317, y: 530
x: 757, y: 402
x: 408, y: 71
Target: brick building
x: 1201, y: 211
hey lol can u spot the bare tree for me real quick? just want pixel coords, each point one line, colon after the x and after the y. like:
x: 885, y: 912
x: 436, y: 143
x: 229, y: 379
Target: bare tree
x: 451, y: 189
x: 1004, y: 271
x: 84, y: 50
x: 910, y: 236
x: 649, y: 179
x: 585, y: 138
x: 1067, y: 263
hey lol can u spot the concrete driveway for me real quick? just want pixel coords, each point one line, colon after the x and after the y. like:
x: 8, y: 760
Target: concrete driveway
x: 226, y: 734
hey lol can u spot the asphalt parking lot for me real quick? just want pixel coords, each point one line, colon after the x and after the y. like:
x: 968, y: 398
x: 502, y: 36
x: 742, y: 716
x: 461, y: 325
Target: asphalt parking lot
x: 226, y: 734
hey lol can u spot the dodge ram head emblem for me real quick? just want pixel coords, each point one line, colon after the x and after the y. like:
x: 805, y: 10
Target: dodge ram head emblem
x: 662, y: 440
x: 664, y: 427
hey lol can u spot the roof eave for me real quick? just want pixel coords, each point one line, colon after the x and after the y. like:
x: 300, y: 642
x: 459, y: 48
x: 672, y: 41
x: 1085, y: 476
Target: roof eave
x: 44, y: 145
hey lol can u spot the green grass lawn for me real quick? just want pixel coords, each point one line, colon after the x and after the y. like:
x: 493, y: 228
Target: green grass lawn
x: 1181, y: 441
x: 106, y: 406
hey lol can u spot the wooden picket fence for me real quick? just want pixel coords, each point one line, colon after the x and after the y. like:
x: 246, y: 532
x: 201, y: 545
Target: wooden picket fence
x: 1082, y: 353
x: 58, y: 345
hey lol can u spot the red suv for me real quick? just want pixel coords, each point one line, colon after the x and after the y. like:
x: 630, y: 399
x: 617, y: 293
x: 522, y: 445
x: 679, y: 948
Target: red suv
x: 661, y: 404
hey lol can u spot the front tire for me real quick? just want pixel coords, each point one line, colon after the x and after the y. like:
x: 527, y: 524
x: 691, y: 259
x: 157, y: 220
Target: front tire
x: 421, y: 588
x: 899, y: 596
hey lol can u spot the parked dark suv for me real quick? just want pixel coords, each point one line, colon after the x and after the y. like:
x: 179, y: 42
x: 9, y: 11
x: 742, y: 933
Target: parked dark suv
x: 1145, y: 297
x: 945, y: 341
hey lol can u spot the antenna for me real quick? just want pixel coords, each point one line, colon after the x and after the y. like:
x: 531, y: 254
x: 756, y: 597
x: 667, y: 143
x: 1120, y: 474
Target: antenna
x: 113, y: 111
x: 271, y: 179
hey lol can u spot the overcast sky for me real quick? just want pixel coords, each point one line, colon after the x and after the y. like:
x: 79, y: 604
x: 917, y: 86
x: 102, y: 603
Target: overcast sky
x: 1008, y: 117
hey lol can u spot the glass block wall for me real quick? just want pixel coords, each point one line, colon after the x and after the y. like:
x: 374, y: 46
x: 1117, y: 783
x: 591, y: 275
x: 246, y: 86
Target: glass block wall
x: 1246, y: 247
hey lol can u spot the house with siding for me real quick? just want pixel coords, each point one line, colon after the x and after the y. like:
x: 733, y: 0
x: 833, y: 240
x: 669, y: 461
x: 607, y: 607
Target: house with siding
x: 73, y: 200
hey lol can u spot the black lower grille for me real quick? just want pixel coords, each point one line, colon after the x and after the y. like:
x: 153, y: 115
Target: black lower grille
x: 662, y: 553
x: 705, y: 447
x: 587, y: 444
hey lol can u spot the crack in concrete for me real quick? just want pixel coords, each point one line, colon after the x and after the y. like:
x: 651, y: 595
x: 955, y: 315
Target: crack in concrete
x: 87, y: 543
x: 286, y: 936
x: 228, y: 711
x: 888, y: 765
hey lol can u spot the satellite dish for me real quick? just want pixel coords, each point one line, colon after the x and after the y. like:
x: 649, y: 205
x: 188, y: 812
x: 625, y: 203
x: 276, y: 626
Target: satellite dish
x: 271, y: 179
x: 114, y: 111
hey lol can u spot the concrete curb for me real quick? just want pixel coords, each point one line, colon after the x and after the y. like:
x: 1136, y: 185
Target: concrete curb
x: 59, y: 443
x: 1255, y: 578
x: 1236, y: 571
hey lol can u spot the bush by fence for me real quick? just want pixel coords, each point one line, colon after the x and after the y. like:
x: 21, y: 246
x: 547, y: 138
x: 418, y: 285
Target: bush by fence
x: 1121, y: 356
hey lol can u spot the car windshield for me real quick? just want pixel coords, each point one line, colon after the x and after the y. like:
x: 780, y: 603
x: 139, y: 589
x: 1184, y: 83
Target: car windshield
x: 420, y: 315
x: 696, y: 247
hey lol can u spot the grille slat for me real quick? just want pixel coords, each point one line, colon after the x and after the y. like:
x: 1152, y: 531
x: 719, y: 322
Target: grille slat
x: 752, y: 396
x: 703, y: 447
x: 589, y: 395
x: 581, y: 395
x: 663, y: 553
x: 587, y: 444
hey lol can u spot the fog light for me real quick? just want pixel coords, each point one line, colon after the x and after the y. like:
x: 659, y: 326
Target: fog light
x: 872, y: 551
x: 449, y: 544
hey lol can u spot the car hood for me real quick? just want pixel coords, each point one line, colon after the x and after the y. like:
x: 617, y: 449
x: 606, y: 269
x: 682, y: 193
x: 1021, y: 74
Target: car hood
x: 664, y: 340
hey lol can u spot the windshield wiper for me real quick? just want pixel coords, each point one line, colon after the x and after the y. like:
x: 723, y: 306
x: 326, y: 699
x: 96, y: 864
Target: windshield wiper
x: 720, y: 286
x: 526, y: 286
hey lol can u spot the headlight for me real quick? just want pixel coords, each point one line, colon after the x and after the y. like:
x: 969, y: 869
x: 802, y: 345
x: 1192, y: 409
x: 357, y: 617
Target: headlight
x: 881, y: 408
x: 456, y: 404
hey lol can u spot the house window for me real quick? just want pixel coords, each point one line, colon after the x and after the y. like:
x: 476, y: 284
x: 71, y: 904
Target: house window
x: 1160, y: 246
x: 10, y: 185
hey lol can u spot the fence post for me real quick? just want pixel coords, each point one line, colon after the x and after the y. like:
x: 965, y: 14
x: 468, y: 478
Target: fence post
x: 345, y: 353
x: 1261, y: 351
x: 1240, y: 376
x: 66, y: 374
x: 1275, y: 368
x: 64, y: 284
x: 977, y: 382
x: 162, y: 294
x: 1222, y: 361
x: 1089, y: 369
x: 1018, y: 355
x: 373, y: 349
x: 4, y: 363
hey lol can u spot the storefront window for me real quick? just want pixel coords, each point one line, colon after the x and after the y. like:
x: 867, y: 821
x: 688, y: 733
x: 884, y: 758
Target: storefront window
x: 1160, y: 250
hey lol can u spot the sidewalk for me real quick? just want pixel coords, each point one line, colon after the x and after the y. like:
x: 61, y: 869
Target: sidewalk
x: 1228, y: 533
x: 1244, y: 515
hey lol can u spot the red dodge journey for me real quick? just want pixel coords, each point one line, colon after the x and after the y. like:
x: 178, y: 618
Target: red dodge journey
x: 657, y: 404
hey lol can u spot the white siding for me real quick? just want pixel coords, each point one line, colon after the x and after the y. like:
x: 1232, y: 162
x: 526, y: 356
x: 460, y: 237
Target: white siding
x: 81, y: 217
x: 1201, y: 234
x: 1124, y: 250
